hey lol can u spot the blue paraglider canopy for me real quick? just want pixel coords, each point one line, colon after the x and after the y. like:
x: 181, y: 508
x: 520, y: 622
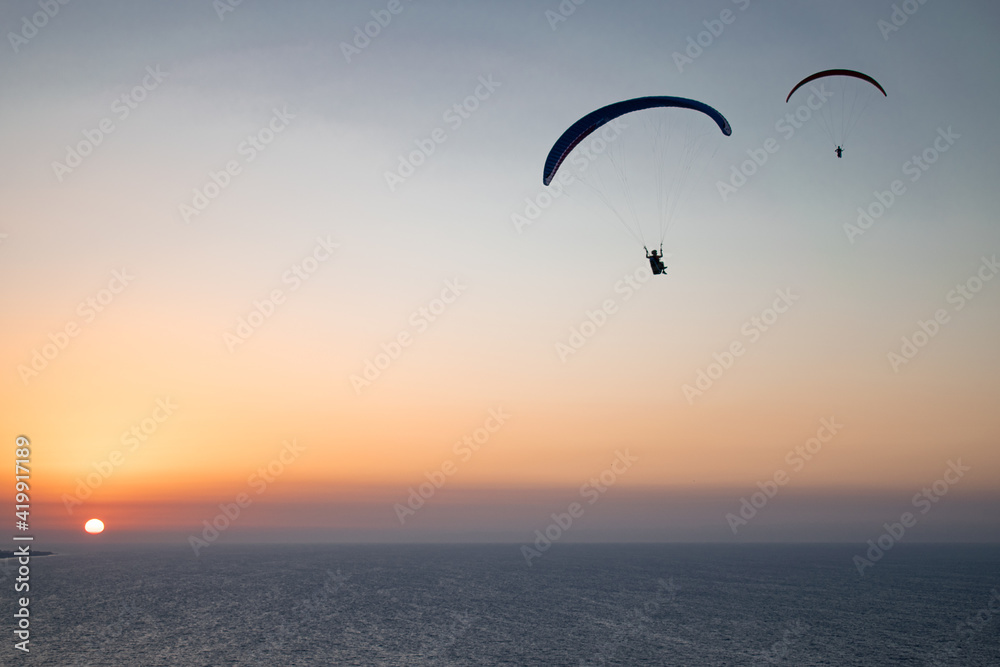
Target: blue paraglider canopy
x: 579, y: 130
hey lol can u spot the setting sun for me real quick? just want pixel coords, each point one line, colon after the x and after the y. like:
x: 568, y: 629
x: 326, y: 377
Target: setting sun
x: 94, y: 526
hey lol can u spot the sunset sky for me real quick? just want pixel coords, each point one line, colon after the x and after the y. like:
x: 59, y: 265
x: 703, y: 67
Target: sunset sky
x: 137, y: 300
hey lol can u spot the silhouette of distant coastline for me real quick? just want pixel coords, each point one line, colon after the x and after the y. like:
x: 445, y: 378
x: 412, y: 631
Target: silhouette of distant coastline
x: 11, y: 554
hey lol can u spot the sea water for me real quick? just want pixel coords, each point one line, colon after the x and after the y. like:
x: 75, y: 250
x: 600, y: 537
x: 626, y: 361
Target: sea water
x: 626, y: 604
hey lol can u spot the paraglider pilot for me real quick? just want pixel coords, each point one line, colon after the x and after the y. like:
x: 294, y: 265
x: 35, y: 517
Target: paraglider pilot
x: 655, y: 260
x: 839, y: 151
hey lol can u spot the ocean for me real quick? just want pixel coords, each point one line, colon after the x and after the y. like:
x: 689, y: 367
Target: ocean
x: 625, y: 604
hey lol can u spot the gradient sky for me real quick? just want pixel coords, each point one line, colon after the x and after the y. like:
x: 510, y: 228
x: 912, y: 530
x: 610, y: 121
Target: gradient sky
x: 520, y: 290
